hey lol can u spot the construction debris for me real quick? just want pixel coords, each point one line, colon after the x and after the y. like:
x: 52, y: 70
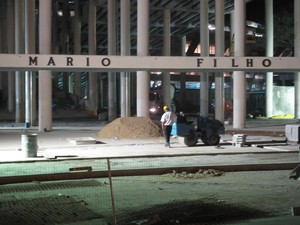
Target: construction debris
x: 200, y: 174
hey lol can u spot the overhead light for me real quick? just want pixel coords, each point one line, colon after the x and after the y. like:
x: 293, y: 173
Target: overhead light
x: 252, y: 24
x: 72, y: 13
x: 60, y: 13
x: 211, y: 27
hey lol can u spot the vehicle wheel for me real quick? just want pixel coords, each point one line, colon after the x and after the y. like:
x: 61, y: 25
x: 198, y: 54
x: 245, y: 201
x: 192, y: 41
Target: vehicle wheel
x: 191, y: 139
x: 204, y: 140
x: 213, y: 139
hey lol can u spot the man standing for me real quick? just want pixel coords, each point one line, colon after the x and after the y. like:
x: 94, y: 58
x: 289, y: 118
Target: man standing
x: 167, y: 120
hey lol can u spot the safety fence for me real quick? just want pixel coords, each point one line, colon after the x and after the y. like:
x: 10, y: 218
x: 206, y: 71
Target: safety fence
x: 141, y: 190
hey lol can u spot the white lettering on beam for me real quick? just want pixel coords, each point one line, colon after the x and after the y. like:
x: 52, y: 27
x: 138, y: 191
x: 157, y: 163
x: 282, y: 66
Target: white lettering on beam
x: 146, y: 63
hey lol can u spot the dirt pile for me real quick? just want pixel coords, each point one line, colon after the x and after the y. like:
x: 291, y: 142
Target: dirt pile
x: 131, y: 128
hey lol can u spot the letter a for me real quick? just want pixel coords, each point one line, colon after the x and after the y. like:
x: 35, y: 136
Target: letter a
x: 51, y: 62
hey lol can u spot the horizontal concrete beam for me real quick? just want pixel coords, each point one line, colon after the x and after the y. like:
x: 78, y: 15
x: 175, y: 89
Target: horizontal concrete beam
x: 100, y: 63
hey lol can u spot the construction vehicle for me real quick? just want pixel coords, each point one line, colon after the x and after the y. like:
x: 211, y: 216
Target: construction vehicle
x: 207, y: 130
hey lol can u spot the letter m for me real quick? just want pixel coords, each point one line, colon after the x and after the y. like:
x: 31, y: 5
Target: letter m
x: 33, y: 61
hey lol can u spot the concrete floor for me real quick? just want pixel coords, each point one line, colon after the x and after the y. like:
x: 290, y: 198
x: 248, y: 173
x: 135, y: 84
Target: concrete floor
x: 57, y: 147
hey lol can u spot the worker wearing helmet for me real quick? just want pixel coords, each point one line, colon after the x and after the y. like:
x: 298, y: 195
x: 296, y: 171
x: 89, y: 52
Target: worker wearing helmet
x: 167, y: 120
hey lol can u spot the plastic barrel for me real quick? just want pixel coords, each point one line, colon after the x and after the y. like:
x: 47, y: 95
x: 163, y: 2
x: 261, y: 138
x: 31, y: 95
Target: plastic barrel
x: 29, y: 145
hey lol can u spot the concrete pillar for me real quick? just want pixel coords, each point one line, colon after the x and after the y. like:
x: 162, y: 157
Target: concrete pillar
x: 33, y: 97
x: 93, y: 93
x: 2, y: 27
x: 219, y: 77
x: 232, y: 32
x: 167, y: 52
x: 182, y: 79
x: 3, y: 49
x: 45, y: 81
x: 269, y: 53
x: 70, y: 81
x: 29, y: 49
x: 143, y: 86
x: 297, y: 54
x: 101, y: 99
x: 19, y: 49
x: 11, y: 49
x: 239, y: 78
x: 55, y: 41
x: 64, y: 42
x: 112, y: 50
x: 77, y: 47
x: 125, y: 50
x: 204, y: 42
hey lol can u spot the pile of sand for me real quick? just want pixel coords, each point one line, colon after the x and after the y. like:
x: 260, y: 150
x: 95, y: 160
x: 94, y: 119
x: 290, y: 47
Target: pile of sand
x: 131, y: 128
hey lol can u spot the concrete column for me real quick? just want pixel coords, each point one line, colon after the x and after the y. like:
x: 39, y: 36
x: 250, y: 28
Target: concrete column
x: 143, y: 81
x: 112, y: 50
x: 93, y: 93
x: 297, y: 54
x: 55, y: 41
x: 125, y: 50
x: 11, y: 49
x: 239, y: 78
x: 77, y: 47
x: 167, y: 52
x: 269, y: 53
x: 33, y: 94
x: 19, y: 49
x: 182, y: 79
x: 64, y: 41
x: 2, y: 27
x: 45, y: 81
x: 219, y: 77
x: 3, y: 49
x: 29, y: 49
x: 101, y: 99
x: 232, y: 32
x: 204, y: 42
x: 70, y: 81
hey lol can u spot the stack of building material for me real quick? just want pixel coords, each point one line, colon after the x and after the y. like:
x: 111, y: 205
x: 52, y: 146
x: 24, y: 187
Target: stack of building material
x: 238, y: 140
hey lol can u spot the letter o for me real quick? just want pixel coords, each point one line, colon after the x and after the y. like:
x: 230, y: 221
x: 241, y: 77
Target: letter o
x: 266, y: 62
x: 105, y: 62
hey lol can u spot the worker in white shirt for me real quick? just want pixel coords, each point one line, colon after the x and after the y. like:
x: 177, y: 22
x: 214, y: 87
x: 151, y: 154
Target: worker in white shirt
x: 167, y: 120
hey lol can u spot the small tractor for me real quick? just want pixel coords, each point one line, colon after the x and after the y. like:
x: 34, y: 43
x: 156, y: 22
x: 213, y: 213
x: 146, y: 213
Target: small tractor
x: 208, y: 130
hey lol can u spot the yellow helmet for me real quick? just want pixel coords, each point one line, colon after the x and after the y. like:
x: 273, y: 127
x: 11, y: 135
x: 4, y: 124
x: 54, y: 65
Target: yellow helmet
x: 166, y: 107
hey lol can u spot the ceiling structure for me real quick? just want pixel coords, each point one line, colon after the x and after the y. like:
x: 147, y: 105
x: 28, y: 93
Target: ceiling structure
x: 185, y: 21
